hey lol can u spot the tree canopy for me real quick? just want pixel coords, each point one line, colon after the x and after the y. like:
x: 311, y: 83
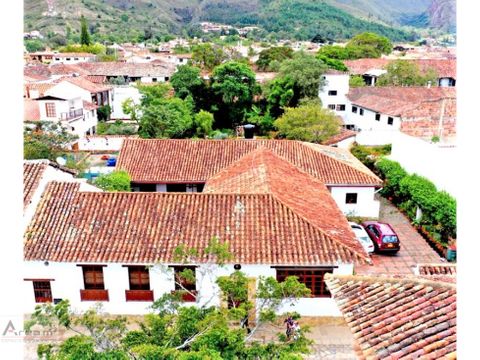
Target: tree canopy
x: 45, y: 140
x: 406, y: 73
x: 207, y: 56
x: 277, y: 54
x: 118, y: 180
x: 308, y: 122
x: 84, y: 34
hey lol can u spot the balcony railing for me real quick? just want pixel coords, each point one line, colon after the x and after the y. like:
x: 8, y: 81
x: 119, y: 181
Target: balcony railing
x: 187, y: 296
x: 94, y: 295
x: 72, y: 114
x: 139, y: 295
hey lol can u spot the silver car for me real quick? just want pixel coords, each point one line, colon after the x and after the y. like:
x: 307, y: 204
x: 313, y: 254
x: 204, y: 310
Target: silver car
x: 362, y: 237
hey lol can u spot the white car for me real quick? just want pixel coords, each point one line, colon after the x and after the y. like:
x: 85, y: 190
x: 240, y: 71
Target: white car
x: 363, y: 237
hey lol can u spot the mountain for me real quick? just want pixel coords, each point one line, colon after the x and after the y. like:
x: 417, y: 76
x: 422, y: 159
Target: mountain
x: 300, y: 19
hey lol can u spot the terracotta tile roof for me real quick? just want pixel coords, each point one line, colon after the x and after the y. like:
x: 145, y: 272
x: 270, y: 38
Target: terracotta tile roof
x: 446, y: 272
x: 32, y: 173
x: 37, y: 72
x: 31, y: 111
x: 133, y: 227
x: 263, y: 172
x: 84, y: 83
x: 41, y: 88
x: 67, y: 69
x: 97, y: 79
x: 343, y: 135
x: 195, y: 161
x: 128, y: 69
x: 396, y: 101
x: 443, y: 67
x: 393, y: 318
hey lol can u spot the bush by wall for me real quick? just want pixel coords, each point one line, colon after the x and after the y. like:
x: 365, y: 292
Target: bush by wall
x: 411, y: 191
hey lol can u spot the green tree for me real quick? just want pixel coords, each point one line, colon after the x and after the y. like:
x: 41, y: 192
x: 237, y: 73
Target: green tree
x: 234, y: 86
x: 207, y: 56
x: 277, y: 54
x: 176, y: 331
x: 406, y: 73
x: 306, y: 72
x: 46, y: 140
x: 34, y: 45
x: 187, y: 81
x: 202, y: 123
x: 356, y: 81
x: 309, y: 122
x: 84, y: 35
x: 280, y: 93
x: 379, y: 43
x: 118, y: 180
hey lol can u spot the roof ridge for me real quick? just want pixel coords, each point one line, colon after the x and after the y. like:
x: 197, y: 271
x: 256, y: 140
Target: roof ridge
x: 390, y: 279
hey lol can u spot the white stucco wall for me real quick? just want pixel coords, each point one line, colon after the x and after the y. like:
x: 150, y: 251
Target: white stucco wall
x: 366, y: 205
x: 437, y: 162
x: 100, y: 143
x: 367, y: 120
x: 119, y: 95
x: 71, y: 59
x: 68, y: 280
x: 339, y: 83
x: 68, y: 90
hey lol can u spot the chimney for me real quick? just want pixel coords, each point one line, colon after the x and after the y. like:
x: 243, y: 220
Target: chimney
x: 429, y: 84
x: 248, y: 131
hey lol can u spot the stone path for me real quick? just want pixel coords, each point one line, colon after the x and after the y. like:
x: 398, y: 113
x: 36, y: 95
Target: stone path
x: 414, y: 249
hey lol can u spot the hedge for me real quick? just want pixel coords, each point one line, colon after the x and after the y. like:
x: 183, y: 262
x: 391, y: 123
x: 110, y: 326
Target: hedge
x: 409, y: 191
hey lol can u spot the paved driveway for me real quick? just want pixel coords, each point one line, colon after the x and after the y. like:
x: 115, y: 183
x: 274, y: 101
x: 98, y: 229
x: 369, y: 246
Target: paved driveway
x: 414, y: 249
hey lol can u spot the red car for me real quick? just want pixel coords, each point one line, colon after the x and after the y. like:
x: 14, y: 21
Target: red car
x: 383, y: 236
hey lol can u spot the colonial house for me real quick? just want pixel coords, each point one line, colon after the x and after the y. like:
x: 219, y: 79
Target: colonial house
x: 77, y: 115
x: 97, y: 94
x: 398, y: 318
x: 73, y: 58
x: 131, y: 72
x: 371, y: 69
x: 118, y: 248
x: 418, y: 111
x: 36, y: 175
x: 188, y: 165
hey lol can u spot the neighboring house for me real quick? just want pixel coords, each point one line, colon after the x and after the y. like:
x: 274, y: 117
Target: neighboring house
x: 73, y: 58
x: 131, y: 72
x: 398, y: 318
x: 419, y: 111
x: 36, y: 175
x: 97, y: 94
x: 343, y: 140
x: 78, y: 116
x: 120, y: 93
x: 371, y: 69
x: 277, y: 220
x: 187, y: 165
x: 45, y: 57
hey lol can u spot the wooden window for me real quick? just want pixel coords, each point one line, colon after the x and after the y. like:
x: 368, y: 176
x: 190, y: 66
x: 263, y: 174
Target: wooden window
x: 361, y: 112
x: 390, y: 121
x: 42, y: 291
x: 332, y: 92
x: 176, y: 187
x: 340, y: 107
x: 351, y: 198
x: 331, y: 106
x: 182, y: 283
x: 377, y: 117
x: 139, y: 278
x: 354, y: 109
x: 311, y: 277
x: 50, y: 109
x: 93, y: 277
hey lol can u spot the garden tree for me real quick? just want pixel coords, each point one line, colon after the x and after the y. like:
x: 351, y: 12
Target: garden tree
x: 202, y: 123
x: 406, y: 73
x: 45, y: 140
x: 118, y: 180
x: 277, y: 54
x: 279, y: 93
x: 334, y: 52
x: 306, y: 72
x: 356, y: 81
x: 234, y: 86
x: 207, y: 56
x: 34, y: 45
x: 84, y: 35
x: 177, y: 331
x: 380, y: 44
x: 187, y: 82
x: 103, y: 112
x: 333, y: 63
x: 308, y: 122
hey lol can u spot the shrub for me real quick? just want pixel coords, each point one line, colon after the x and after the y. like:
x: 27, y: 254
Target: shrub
x: 115, y: 181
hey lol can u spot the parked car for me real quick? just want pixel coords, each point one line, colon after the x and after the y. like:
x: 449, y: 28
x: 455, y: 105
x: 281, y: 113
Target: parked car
x: 362, y: 237
x: 383, y: 236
